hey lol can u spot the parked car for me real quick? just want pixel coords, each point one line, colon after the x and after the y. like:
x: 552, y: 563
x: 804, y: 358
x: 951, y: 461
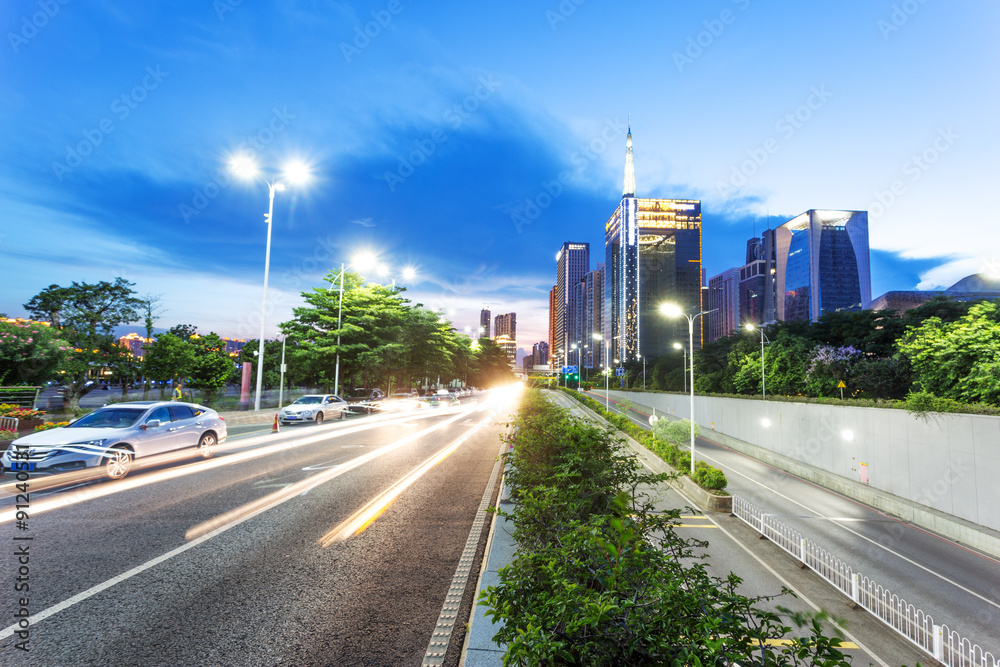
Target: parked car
x: 313, y: 408
x: 112, y: 437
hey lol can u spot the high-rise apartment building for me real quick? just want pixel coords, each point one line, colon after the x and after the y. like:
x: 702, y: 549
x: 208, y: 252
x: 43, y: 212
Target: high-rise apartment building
x: 822, y: 264
x: 553, y: 308
x: 758, y: 281
x: 724, y: 304
x: 505, y: 325
x: 540, y: 353
x: 484, y: 323
x: 652, y: 255
x: 572, y: 263
x: 509, y: 347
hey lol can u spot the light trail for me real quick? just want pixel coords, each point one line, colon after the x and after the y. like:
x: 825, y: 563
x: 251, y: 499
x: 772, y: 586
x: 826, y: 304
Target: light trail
x: 366, y: 516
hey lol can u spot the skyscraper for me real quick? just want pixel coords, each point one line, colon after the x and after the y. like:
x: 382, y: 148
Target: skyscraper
x: 758, y: 281
x: 822, y: 264
x: 553, y: 307
x: 505, y: 325
x: 572, y: 263
x: 484, y: 323
x: 724, y: 300
x: 652, y: 255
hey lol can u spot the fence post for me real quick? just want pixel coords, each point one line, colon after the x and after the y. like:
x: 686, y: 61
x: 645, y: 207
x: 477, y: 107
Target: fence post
x: 802, y: 552
x: 855, y: 593
x: 762, y: 533
x: 937, y: 639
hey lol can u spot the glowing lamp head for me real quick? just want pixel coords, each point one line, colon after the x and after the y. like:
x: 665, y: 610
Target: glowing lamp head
x: 243, y: 166
x: 671, y: 310
x: 678, y: 346
x: 297, y: 172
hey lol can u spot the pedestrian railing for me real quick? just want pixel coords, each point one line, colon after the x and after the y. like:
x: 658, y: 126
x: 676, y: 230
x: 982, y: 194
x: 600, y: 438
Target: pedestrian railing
x: 8, y: 424
x: 938, y: 641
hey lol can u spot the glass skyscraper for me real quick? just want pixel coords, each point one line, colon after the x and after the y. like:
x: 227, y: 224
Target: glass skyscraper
x: 822, y: 264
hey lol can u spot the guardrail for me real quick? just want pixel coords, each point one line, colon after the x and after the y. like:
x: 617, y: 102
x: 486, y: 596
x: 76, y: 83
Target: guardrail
x: 939, y: 641
x: 8, y: 423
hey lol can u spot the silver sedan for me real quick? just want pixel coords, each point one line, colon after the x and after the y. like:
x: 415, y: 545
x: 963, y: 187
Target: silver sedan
x: 114, y: 436
x: 313, y: 408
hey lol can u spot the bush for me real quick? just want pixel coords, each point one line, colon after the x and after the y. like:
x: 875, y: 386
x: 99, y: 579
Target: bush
x: 7, y: 434
x: 599, y: 579
x: 49, y: 425
x: 710, y: 478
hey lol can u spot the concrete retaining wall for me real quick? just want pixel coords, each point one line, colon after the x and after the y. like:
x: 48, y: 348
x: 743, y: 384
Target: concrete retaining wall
x: 942, y: 471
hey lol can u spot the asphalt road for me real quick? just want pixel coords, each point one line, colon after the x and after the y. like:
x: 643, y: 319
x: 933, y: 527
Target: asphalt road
x: 957, y: 586
x: 243, y: 559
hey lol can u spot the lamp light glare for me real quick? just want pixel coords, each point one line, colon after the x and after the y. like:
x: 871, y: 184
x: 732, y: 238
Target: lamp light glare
x: 671, y: 310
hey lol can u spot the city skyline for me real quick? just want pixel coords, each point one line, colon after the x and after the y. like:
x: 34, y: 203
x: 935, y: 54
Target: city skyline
x: 435, y: 144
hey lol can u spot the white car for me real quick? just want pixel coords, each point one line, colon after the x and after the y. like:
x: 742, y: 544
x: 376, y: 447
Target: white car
x: 113, y: 436
x: 313, y: 408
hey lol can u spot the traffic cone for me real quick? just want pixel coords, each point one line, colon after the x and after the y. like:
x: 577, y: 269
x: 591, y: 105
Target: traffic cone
x: 274, y: 429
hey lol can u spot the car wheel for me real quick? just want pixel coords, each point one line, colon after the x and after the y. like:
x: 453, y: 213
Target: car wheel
x: 206, y: 446
x: 117, y: 463
x: 319, y: 418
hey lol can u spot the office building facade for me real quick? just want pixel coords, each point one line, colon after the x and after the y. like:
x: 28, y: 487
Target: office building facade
x: 724, y: 304
x: 822, y: 264
x: 652, y: 255
x: 553, y: 307
x: 540, y: 353
x: 484, y: 323
x: 758, y: 281
x: 572, y: 263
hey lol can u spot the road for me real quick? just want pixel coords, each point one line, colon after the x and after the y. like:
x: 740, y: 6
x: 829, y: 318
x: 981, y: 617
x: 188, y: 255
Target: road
x: 245, y: 559
x: 956, y: 585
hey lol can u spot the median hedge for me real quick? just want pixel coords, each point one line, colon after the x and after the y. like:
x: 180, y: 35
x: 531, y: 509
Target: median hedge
x: 668, y: 440
x: 601, y: 579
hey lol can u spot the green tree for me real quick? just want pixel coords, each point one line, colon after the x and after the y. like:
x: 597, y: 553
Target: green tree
x: 958, y: 359
x: 30, y: 353
x: 150, y: 310
x: 169, y: 359
x: 211, y: 367
x: 490, y: 367
x: 86, y: 316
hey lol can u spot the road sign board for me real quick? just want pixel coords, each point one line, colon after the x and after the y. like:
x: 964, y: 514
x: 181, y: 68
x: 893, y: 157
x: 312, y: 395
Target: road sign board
x: 620, y: 371
x: 570, y: 369
x: 841, y: 385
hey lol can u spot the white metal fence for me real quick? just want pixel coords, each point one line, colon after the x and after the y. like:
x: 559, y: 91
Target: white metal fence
x: 8, y: 424
x: 938, y: 641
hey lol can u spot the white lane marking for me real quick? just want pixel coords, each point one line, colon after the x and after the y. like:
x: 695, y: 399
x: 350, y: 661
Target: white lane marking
x: 280, y: 496
x: 857, y: 534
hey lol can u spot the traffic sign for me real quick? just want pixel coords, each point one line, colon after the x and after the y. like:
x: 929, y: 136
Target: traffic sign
x: 620, y: 371
x: 841, y: 385
x: 570, y: 369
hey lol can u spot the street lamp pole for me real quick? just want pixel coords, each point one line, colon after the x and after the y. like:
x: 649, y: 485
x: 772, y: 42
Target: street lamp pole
x: 763, y: 386
x: 672, y: 310
x: 263, y: 306
x: 340, y: 309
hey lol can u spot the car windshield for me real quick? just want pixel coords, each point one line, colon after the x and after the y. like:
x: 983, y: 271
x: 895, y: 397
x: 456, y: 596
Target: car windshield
x: 111, y: 418
x: 308, y: 399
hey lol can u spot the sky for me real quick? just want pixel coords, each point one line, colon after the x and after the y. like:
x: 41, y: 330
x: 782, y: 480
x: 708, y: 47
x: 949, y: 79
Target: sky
x: 469, y: 140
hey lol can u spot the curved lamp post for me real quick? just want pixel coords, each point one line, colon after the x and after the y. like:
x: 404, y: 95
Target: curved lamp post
x: 673, y: 310
x: 295, y: 172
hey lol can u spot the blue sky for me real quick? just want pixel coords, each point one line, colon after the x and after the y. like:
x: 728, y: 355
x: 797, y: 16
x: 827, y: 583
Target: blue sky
x: 471, y: 139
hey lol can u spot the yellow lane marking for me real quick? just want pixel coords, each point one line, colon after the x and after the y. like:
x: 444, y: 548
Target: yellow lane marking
x: 788, y: 642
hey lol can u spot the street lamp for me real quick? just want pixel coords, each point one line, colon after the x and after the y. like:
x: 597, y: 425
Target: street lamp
x: 684, y: 368
x: 673, y: 310
x: 607, y: 388
x: 361, y: 262
x: 295, y: 172
x: 763, y: 389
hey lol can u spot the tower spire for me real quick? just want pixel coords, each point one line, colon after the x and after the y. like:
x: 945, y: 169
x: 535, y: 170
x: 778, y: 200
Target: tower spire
x: 628, y: 189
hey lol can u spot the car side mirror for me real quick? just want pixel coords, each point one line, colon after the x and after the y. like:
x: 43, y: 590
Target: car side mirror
x: 152, y: 423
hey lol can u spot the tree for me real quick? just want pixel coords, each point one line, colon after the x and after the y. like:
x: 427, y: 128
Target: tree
x: 168, y: 359
x: 86, y: 316
x: 958, y: 359
x: 30, y: 353
x: 211, y: 367
x: 489, y: 366
x: 149, y: 308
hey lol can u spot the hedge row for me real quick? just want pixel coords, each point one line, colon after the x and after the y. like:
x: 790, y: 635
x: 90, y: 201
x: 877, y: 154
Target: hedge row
x: 601, y: 579
x: 668, y: 440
